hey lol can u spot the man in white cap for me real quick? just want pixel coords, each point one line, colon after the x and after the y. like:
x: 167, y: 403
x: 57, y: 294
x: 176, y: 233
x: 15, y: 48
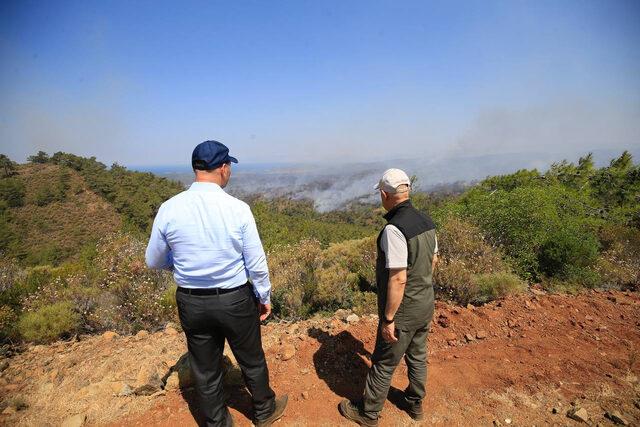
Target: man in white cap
x: 407, y: 254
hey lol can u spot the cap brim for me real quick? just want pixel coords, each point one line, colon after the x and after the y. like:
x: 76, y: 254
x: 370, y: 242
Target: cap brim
x: 233, y: 159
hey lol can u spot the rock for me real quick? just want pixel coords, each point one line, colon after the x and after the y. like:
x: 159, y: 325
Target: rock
x: 116, y: 387
x: 555, y: 410
x: 183, y: 370
x: 616, y: 417
x: 142, y: 334
x: 342, y: 314
x: 125, y: 391
x: 305, y: 395
x: 507, y: 420
x: 470, y: 307
x: 159, y: 393
x: 232, y: 373
x: 173, y: 382
x: 109, y: 335
x: 469, y: 337
x: 481, y: 335
x: 170, y: 330
x: 538, y: 292
x: 146, y: 374
x: 578, y: 414
x: 9, y: 410
x: 75, y: 421
x: 54, y: 374
x: 287, y: 351
x: 443, y: 321
x: 497, y: 423
x: 154, y: 385
x: 352, y: 318
x: 292, y: 329
x: 588, y: 318
x: 4, y: 364
x: 337, y: 324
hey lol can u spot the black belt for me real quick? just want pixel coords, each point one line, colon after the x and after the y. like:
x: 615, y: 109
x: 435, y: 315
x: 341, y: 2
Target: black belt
x: 210, y: 291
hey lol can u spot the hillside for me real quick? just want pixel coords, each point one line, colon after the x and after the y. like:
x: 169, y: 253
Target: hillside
x: 60, y: 215
x: 530, y: 359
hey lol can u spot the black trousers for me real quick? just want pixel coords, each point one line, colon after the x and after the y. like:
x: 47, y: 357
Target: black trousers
x: 207, y: 321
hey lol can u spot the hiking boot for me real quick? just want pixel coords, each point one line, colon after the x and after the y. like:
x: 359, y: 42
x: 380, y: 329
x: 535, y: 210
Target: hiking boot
x: 281, y: 403
x: 351, y: 412
x: 414, y: 410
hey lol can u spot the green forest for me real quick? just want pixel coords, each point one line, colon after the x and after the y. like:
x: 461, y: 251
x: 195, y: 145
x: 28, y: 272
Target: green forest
x: 73, y: 233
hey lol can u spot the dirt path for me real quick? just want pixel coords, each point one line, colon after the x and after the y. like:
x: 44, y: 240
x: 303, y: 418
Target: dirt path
x: 520, y: 359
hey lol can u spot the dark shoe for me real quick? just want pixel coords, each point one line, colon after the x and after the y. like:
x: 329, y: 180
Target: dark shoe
x: 351, y: 412
x: 281, y: 403
x: 414, y: 410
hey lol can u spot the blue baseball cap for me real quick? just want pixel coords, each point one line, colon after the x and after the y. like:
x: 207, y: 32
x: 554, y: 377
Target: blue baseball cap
x: 210, y: 154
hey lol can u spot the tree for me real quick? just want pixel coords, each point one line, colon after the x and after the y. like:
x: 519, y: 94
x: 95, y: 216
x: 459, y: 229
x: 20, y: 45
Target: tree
x: 41, y: 157
x: 624, y: 162
x: 7, y: 166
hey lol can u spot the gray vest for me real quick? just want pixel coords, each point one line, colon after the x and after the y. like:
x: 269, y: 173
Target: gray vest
x: 416, y: 309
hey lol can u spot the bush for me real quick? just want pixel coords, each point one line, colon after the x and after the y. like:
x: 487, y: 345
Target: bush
x: 131, y: 296
x: 307, y: 279
x: 619, y: 264
x: 8, y: 320
x: 492, y: 286
x: 521, y: 221
x: 12, y: 191
x: 465, y: 256
x: 567, y: 252
x: 49, y: 322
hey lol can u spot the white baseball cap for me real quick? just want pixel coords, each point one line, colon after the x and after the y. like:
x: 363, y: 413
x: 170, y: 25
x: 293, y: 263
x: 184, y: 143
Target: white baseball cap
x: 391, y: 180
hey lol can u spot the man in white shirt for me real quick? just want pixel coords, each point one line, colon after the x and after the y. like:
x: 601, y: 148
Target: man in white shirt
x: 210, y: 241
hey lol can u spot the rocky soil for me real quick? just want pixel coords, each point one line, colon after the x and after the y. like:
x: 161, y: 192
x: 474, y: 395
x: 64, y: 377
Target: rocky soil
x: 535, y: 359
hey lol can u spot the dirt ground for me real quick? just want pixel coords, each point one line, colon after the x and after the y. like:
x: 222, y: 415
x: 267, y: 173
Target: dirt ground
x: 526, y: 360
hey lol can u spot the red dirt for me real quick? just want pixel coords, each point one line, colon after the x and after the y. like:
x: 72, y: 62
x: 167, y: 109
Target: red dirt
x: 540, y: 352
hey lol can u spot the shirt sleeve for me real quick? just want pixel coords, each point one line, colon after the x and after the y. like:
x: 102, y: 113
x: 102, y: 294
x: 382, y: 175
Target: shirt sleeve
x: 255, y: 261
x: 158, y: 254
x: 394, y: 246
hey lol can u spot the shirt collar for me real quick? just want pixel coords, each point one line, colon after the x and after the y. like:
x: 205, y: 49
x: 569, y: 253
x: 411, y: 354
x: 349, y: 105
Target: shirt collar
x: 205, y: 186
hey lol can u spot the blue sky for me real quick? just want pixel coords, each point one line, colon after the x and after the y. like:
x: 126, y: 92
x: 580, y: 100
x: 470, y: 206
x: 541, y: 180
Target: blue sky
x: 141, y: 83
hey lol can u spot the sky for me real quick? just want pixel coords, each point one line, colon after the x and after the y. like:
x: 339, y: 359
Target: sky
x: 141, y: 83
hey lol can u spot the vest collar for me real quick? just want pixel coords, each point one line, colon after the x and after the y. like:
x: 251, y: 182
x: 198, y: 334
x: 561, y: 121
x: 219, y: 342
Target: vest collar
x: 396, y: 208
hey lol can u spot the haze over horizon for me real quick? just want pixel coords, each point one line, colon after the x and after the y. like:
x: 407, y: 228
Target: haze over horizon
x: 142, y: 83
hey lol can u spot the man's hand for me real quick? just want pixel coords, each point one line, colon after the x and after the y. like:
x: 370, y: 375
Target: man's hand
x: 389, y: 332
x: 264, y: 310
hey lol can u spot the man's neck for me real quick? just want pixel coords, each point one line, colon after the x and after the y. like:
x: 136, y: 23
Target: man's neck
x: 209, y: 177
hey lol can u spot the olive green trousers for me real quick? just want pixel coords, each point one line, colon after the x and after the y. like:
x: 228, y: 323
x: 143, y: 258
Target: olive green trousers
x: 386, y: 356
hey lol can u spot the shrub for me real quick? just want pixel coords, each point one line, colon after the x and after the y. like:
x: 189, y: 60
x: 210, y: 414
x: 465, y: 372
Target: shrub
x: 522, y: 221
x: 131, y: 296
x: 465, y: 256
x: 619, y: 264
x: 8, y: 320
x: 492, y: 286
x: 49, y: 322
x: 307, y: 279
x: 12, y: 191
x: 567, y: 252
